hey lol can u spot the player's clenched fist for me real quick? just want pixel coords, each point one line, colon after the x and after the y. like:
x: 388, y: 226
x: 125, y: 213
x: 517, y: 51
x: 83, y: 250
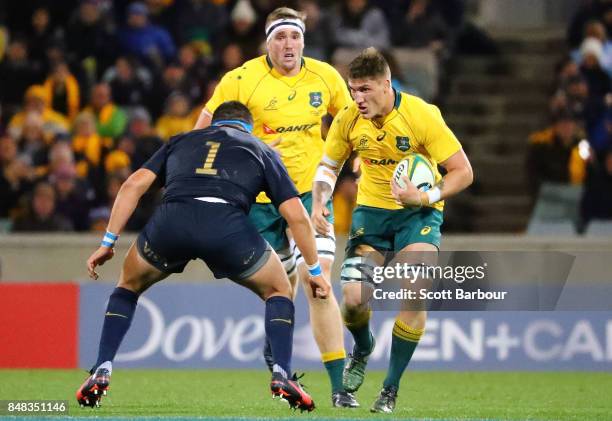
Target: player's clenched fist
x: 320, y: 286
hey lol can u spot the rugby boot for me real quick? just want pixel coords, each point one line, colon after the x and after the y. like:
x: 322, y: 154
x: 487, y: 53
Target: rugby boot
x: 93, y: 388
x: 344, y: 400
x: 291, y: 391
x: 354, y: 370
x: 385, y: 403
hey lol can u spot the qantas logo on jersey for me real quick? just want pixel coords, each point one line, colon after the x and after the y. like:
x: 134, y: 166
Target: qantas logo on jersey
x: 268, y: 130
x: 298, y: 128
x: 384, y: 161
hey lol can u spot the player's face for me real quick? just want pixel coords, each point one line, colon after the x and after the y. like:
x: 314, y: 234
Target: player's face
x: 285, y: 50
x: 370, y: 95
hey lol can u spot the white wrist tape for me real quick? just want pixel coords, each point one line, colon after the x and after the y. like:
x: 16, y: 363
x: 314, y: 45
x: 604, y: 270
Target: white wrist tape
x: 326, y: 175
x: 434, y: 195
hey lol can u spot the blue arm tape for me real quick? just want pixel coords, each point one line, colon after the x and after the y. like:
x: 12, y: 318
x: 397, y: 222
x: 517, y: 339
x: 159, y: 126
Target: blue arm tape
x: 315, y: 271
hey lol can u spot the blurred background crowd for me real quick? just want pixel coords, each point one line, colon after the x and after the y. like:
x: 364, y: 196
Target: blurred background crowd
x: 89, y: 89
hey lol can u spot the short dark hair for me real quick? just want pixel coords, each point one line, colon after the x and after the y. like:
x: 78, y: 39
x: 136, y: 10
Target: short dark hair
x: 233, y: 110
x: 284, y: 13
x: 369, y: 63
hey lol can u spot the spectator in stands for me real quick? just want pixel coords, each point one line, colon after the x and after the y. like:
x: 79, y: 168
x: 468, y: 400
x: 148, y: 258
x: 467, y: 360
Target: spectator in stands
x: 41, y: 214
x: 554, y: 155
x: 110, y: 119
x: 231, y: 57
x: 99, y: 216
x: 20, y: 71
x: 74, y: 195
x: 243, y: 30
x: 33, y: 145
x: 318, y: 39
x: 573, y: 96
x: 15, y: 176
x: 591, y: 53
x: 89, y: 39
x: 62, y: 91
x: 174, y: 79
x: 596, y: 29
x: 146, y: 141
x: 597, y: 199
x: 195, y: 67
x: 128, y: 81
x: 35, y: 103
x: 176, y: 119
x: 420, y: 27
x: 149, y: 43
x: 201, y: 23
x: 88, y: 146
x: 358, y: 24
x: 40, y: 35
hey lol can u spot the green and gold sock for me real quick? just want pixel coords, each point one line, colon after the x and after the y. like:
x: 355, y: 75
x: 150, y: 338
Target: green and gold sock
x: 404, y: 342
x: 334, y: 364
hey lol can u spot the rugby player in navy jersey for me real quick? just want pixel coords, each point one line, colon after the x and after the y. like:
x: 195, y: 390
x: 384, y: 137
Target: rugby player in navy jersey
x: 211, y: 179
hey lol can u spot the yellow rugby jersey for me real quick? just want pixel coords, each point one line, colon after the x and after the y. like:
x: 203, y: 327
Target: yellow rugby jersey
x: 412, y: 126
x: 287, y: 107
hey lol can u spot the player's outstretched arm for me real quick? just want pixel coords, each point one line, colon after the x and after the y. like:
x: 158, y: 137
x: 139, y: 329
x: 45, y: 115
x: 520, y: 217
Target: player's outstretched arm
x: 304, y: 236
x: 127, y: 199
x: 458, y: 177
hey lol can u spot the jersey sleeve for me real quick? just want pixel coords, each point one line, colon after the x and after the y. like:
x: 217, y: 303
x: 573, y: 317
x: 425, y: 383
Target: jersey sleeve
x: 340, y: 94
x: 337, y: 144
x: 157, y: 162
x: 279, y: 186
x: 439, y: 141
x: 226, y: 90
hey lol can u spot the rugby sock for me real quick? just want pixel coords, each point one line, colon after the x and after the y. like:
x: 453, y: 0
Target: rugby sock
x: 117, y: 320
x: 334, y: 364
x: 279, y: 332
x: 359, y: 326
x: 404, y: 341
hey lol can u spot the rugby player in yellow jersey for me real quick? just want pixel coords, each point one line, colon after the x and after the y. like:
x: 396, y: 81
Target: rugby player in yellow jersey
x: 288, y: 95
x: 383, y: 126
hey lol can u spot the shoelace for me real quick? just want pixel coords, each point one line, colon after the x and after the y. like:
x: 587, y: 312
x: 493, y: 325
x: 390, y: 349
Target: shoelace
x: 297, y: 378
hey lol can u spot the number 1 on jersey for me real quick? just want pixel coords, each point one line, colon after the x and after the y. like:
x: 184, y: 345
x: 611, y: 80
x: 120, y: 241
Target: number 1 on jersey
x: 207, y: 168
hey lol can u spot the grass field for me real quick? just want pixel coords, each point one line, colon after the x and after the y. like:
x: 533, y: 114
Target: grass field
x: 244, y: 394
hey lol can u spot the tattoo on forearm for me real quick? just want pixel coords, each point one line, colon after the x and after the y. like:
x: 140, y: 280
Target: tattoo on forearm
x: 440, y: 185
x: 322, y: 192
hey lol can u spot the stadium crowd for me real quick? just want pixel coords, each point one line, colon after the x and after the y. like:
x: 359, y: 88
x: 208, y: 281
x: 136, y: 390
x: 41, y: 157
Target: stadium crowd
x: 91, y: 88
x: 577, y: 147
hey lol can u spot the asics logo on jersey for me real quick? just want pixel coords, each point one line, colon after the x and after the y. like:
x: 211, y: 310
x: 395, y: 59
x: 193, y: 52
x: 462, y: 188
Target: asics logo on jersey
x: 298, y: 128
x: 384, y: 161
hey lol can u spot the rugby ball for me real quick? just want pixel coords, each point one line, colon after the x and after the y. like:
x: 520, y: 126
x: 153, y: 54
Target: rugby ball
x: 418, y: 169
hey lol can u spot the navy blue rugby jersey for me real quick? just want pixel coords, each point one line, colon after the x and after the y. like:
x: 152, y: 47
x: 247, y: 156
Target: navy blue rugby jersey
x: 221, y: 162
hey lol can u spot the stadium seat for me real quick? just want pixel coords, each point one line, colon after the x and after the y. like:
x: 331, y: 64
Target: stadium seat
x: 556, y: 210
x: 599, y: 228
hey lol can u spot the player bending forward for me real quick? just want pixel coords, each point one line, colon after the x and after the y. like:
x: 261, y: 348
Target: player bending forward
x: 383, y: 125
x: 211, y: 178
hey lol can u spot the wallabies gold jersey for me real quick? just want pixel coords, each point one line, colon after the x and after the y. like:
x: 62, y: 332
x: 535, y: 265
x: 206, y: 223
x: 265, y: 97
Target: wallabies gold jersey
x: 412, y: 126
x: 289, y: 108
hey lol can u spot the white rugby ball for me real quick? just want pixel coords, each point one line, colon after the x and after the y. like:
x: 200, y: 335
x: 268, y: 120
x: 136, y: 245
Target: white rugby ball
x: 418, y: 169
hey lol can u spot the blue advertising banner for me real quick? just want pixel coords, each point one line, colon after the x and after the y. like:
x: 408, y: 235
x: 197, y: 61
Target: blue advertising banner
x: 220, y: 325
